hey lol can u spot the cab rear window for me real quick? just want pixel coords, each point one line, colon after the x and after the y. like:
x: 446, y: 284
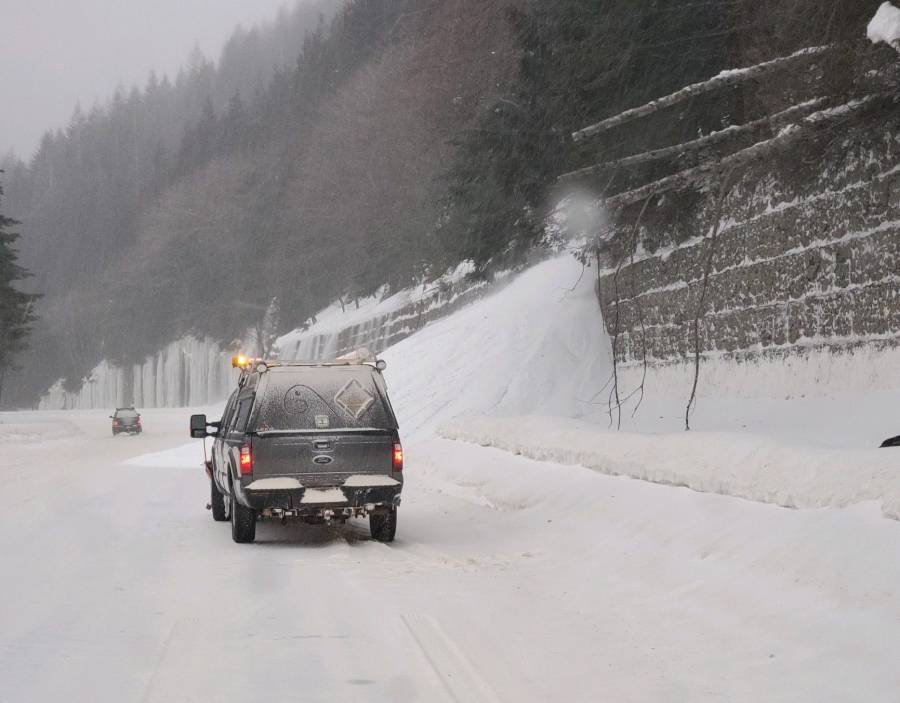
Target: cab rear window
x: 323, y: 399
x: 243, y: 414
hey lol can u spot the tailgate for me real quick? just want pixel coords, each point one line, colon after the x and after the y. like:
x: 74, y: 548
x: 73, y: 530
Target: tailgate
x: 320, y: 459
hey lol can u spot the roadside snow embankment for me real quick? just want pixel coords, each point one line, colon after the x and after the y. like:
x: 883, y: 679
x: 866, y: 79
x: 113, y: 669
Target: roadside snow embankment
x: 27, y: 431
x: 536, y: 346
x: 739, y: 465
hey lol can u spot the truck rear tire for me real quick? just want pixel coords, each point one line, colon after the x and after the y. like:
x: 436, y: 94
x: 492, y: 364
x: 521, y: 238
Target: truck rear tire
x: 383, y: 526
x: 243, y: 523
x: 217, y: 501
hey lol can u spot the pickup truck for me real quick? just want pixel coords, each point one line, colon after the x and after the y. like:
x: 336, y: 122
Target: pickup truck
x: 312, y: 442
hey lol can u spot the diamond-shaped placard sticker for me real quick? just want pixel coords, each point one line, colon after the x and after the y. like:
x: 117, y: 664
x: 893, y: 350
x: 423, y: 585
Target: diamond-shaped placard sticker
x: 353, y: 399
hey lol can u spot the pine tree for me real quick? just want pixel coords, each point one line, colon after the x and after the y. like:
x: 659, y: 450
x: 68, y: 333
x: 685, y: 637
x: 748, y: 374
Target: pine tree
x: 579, y: 59
x: 16, y: 307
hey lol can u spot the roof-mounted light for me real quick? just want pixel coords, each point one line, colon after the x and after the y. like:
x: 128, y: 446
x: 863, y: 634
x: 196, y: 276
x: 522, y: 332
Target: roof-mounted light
x: 240, y: 361
x: 381, y: 364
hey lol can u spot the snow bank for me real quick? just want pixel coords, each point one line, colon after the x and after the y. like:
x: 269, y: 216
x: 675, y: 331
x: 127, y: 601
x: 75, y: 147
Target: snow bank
x: 885, y: 26
x: 536, y: 346
x: 744, y: 466
x: 818, y: 372
x: 13, y: 429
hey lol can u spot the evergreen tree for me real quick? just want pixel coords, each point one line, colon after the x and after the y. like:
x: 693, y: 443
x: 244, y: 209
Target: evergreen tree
x: 16, y: 307
x: 581, y: 60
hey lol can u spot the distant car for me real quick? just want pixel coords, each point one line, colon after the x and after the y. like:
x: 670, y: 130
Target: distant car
x: 314, y: 442
x: 126, y: 420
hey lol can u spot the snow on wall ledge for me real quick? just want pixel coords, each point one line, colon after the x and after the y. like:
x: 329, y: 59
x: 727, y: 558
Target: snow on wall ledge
x: 743, y: 466
x: 377, y: 324
x: 807, y: 258
x: 187, y: 372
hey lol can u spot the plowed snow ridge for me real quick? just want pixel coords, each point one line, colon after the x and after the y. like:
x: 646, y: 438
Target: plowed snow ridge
x: 754, y: 468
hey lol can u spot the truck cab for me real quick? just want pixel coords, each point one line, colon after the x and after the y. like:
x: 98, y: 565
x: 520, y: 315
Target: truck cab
x: 315, y: 442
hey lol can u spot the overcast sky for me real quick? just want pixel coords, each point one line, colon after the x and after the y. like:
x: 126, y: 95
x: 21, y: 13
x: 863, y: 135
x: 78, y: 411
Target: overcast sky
x: 56, y: 52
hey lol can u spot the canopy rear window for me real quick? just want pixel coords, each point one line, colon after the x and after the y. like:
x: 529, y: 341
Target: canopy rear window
x: 323, y: 399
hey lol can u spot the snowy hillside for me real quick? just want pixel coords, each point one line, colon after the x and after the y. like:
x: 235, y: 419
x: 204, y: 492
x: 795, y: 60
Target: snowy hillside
x: 535, y: 347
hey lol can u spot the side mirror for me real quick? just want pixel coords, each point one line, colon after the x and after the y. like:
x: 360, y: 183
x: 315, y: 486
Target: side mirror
x: 198, y: 426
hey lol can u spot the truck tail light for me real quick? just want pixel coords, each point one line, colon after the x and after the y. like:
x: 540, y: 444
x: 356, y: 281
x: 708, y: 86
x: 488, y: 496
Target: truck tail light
x: 398, y: 456
x: 246, y: 459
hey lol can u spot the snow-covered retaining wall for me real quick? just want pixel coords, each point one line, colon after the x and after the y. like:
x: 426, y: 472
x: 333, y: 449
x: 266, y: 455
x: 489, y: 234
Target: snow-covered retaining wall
x: 377, y: 324
x: 807, y: 258
x: 744, y: 466
x: 187, y: 372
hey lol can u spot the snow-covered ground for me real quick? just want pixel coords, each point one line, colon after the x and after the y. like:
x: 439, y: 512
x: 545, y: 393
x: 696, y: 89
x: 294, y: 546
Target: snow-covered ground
x: 514, y: 577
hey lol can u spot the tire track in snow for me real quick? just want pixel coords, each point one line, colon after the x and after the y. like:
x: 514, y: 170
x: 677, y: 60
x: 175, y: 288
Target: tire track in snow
x: 148, y: 692
x: 459, y: 677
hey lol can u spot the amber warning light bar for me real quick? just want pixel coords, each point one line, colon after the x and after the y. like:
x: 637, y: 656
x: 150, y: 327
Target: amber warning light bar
x: 240, y: 361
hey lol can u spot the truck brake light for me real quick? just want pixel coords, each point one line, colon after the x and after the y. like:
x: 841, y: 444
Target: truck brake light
x: 246, y: 459
x: 398, y: 456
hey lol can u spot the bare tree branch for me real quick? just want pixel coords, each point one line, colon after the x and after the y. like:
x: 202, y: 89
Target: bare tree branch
x: 701, y: 303
x: 614, y: 393
x: 640, y: 308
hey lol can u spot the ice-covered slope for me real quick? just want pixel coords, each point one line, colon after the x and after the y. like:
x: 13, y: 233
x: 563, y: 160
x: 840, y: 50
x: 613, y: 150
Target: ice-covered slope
x: 537, y: 346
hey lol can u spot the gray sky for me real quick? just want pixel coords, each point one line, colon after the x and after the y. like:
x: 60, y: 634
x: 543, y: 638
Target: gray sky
x: 56, y: 52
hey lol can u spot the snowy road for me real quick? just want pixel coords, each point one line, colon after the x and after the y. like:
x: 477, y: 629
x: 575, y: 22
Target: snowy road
x: 118, y: 586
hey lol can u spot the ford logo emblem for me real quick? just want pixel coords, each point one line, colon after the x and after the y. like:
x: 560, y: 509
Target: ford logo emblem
x: 321, y: 460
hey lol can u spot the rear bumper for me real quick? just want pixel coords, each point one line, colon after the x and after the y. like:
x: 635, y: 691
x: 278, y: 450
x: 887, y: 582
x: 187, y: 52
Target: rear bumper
x: 314, y: 501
